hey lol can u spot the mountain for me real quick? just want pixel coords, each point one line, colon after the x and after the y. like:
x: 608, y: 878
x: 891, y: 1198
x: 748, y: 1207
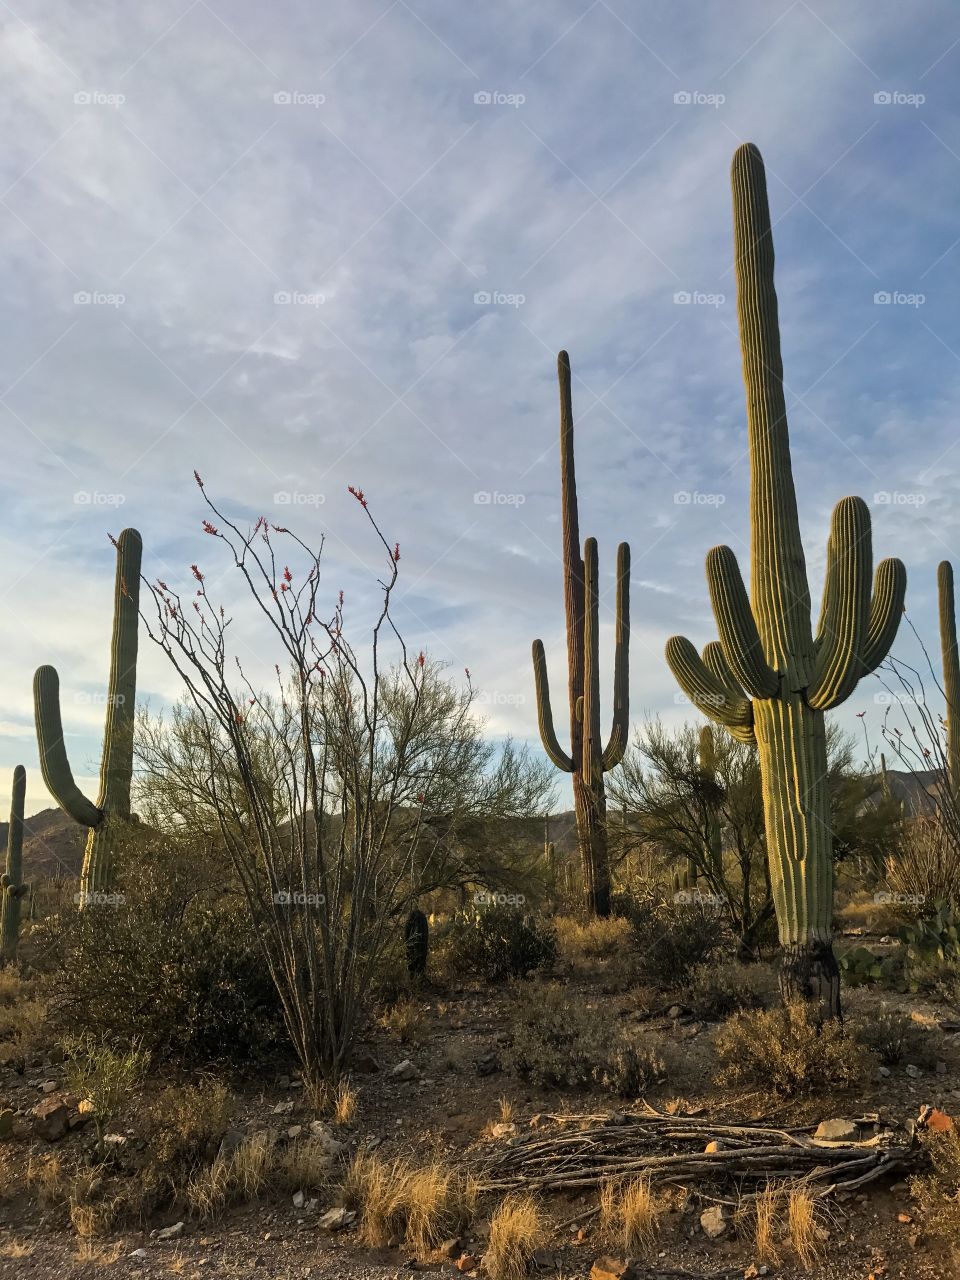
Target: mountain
x: 53, y: 845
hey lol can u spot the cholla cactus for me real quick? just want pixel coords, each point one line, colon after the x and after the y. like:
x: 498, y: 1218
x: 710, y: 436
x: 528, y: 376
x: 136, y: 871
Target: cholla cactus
x: 770, y: 679
x: 587, y: 759
x: 951, y: 669
x: 11, y: 882
x: 116, y: 768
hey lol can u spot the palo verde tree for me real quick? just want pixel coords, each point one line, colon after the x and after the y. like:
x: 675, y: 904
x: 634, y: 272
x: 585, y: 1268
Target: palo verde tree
x: 588, y: 759
x: 771, y: 678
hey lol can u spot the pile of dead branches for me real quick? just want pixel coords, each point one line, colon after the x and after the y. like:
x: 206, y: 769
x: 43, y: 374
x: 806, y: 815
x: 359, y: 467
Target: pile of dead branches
x: 585, y: 1151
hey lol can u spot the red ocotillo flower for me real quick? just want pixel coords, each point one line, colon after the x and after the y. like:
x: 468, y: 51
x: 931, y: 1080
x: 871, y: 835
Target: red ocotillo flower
x: 113, y: 540
x: 287, y: 575
x: 208, y: 527
x: 421, y: 658
x: 196, y: 573
x: 196, y: 476
x: 396, y: 552
x: 358, y: 494
x: 280, y: 528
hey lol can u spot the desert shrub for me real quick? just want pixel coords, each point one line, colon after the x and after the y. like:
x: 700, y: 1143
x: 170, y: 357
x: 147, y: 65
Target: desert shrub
x: 714, y: 991
x: 104, y: 1078
x: 631, y: 1213
x: 672, y: 938
x: 598, y: 939
x: 23, y: 1012
x: 405, y: 1020
x: 517, y: 1229
x: 184, y: 1126
x: 423, y: 1204
x: 553, y: 1041
x: 894, y: 1037
x: 499, y: 942
x: 181, y: 973
x: 937, y: 1192
x: 231, y: 1179
x: 787, y: 1050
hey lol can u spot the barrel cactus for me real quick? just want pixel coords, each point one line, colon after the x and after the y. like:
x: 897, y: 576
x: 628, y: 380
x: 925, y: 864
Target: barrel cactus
x: 771, y: 678
x: 106, y: 818
x: 11, y: 882
x: 588, y: 759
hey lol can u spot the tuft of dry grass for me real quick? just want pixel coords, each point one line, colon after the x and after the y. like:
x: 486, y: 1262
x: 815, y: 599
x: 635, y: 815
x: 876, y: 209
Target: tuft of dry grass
x: 631, y: 1212
x: 345, y: 1102
x: 405, y: 1020
x: 424, y: 1205
x: 580, y: 940
x: 802, y: 1226
x: 767, y: 1212
x: 516, y: 1232
x: 302, y: 1166
x: 231, y: 1179
x: 16, y: 1249
x: 88, y: 1251
x: 47, y: 1178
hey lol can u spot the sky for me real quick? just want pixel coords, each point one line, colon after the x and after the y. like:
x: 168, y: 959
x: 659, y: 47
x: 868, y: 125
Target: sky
x: 299, y: 247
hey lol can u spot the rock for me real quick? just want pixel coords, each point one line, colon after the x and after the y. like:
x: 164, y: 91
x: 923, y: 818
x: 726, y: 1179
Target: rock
x: 115, y: 1140
x: 714, y: 1221
x: 545, y: 1260
x: 51, y: 1119
x: 451, y: 1248
x: 939, y: 1121
x: 85, y: 1107
x: 615, y: 1269
x: 404, y: 1070
x: 283, y: 1108
x: 941, y: 1068
x: 502, y: 1130
x: 365, y: 1064
x: 467, y: 1262
x: 336, y: 1219
x: 912, y: 1070
x: 323, y: 1135
x: 299, y: 1199
x: 6, y: 1122
x: 674, y: 1011
x: 138, y: 1253
x: 294, y: 1131
x: 713, y: 1147
x: 837, y: 1131
x: 169, y: 1233
x: 229, y: 1143
x: 488, y: 1063
x: 47, y: 1086
x: 883, y: 1073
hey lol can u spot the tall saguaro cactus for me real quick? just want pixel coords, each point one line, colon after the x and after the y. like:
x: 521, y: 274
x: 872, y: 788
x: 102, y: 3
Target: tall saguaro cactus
x: 770, y: 679
x: 951, y: 670
x: 11, y: 882
x: 588, y: 759
x: 116, y: 765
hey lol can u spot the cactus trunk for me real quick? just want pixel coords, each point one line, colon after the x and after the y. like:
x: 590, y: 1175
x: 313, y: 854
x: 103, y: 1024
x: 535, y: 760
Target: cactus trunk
x: 771, y: 680
x: 951, y: 670
x: 12, y: 879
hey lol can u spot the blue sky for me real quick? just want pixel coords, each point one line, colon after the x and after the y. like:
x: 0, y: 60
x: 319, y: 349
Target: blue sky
x: 383, y: 164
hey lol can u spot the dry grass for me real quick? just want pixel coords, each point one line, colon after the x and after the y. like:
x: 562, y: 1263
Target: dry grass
x: 16, y: 1249
x: 303, y: 1165
x: 404, y: 1020
x: 767, y: 1213
x: 88, y: 1251
x: 802, y: 1226
x: 631, y: 1213
x: 516, y: 1232
x: 580, y: 940
x: 48, y: 1180
x: 423, y: 1205
x: 231, y: 1179
x: 344, y: 1104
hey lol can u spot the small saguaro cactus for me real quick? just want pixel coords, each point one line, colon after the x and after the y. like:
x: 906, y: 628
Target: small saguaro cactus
x: 588, y: 759
x: 951, y: 670
x: 112, y: 809
x: 770, y: 679
x: 11, y: 882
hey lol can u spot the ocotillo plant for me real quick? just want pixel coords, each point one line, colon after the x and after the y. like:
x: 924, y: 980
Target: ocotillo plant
x: 587, y: 759
x: 770, y: 679
x: 11, y: 881
x: 951, y: 670
x: 112, y: 809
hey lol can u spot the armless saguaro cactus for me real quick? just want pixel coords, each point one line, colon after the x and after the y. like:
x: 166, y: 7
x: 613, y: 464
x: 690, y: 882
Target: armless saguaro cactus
x: 771, y: 679
x: 588, y: 759
x: 11, y: 881
x: 951, y: 670
x: 112, y: 809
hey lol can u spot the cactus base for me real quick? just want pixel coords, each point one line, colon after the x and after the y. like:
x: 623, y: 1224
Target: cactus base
x: 810, y: 972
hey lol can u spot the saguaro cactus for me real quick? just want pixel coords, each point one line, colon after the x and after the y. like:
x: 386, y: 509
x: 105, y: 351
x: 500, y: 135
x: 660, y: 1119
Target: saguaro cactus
x: 11, y: 881
x: 951, y: 670
x: 714, y: 841
x: 588, y: 759
x: 770, y: 679
x: 116, y: 765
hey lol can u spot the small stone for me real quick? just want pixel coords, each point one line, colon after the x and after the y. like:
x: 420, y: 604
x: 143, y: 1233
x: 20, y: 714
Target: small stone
x: 51, y: 1119
x: 229, y: 1143
x: 904, y: 1217
x: 365, y: 1064
x: 299, y: 1199
x: 837, y: 1131
x: 323, y: 1136
x: 283, y: 1108
x: 336, y: 1219
x: 467, y: 1262
x: 674, y: 1011
x: 6, y: 1122
x: 404, y: 1070
x: 47, y: 1086
x: 170, y: 1233
x: 283, y: 1082
x: 883, y: 1073
x: 502, y: 1130
x: 713, y: 1221
x: 941, y: 1068
x: 294, y: 1131
x: 138, y: 1253
x: 614, y: 1269
x: 912, y: 1071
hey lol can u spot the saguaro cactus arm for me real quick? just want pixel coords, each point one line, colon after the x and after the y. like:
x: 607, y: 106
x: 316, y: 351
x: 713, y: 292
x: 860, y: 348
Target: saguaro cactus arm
x: 846, y: 612
x: 886, y: 610
x: 548, y: 734
x: 620, y: 730
x: 739, y: 637
x: 54, y: 765
x: 704, y: 689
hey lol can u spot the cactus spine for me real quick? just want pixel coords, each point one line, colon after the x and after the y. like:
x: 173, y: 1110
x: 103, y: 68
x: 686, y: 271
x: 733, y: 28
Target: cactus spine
x: 11, y: 881
x: 116, y: 765
x: 770, y: 679
x: 588, y: 759
x: 951, y: 670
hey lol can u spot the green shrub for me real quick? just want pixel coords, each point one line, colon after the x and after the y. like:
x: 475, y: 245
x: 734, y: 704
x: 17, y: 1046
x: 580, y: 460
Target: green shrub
x: 178, y: 971
x: 556, y: 1041
x: 894, y: 1037
x: 672, y: 938
x: 498, y: 942
x: 714, y: 991
x: 787, y: 1050
x: 937, y: 1193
